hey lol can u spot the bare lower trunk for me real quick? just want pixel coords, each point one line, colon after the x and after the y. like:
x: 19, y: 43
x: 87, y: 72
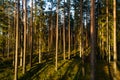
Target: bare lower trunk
x: 115, y: 46
x: 64, y: 34
x: 69, y: 40
x: 92, y: 31
x: 25, y: 29
x: 21, y: 56
x: 31, y: 34
x: 39, y: 50
x: 16, y: 49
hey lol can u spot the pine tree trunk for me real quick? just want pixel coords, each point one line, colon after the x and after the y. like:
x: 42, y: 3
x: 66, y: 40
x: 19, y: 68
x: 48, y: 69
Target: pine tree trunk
x: 107, y: 31
x: 39, y: 49
x: 8, y: 33
x: 21, y: 41
x: 16, y: 49
x: 92, y: 31
x: 14, y: 46
x: 56, y: 56
x: 31, y: 32
x: 64, y: 34
x: 69, y: 44
x: 81, y: 30
x: 51, y: 29
x: 115, y: 46
x: 25, y: 27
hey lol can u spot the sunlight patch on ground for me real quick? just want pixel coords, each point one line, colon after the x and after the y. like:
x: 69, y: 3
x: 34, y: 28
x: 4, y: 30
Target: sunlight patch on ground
x: 106, y: 70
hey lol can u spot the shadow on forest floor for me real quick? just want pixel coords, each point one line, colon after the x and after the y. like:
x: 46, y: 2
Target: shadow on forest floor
x: 34, y: 70
x: 103, y: 71
x: 70, y: 68
x: 67, y: 70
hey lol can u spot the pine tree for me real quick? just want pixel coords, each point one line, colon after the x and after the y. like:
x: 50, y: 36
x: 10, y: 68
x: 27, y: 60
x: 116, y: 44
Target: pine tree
x: 92, y: 32
x: 16, y: 49
x: 25, y: 30
x: 114, y: 46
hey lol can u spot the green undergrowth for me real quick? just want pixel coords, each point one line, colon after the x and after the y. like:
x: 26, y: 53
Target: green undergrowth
x: 72, y: 69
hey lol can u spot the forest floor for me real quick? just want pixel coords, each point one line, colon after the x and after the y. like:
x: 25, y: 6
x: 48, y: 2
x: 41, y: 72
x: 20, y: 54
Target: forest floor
x: 72, y: 69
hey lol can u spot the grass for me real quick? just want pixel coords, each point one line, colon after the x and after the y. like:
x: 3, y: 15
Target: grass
x: 67, y: 70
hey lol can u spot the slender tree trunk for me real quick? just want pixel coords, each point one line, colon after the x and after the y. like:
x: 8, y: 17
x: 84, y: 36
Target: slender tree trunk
x: 109, y: 47
x: 107, y: 31
x: 64, y: 34
x: 21, y: 41
x: 69, y: 29
x: 16, y: 49
x: 40, y: 49
x: 56, y: 57
x: 60, y: 40
x: 31, y: 32
x: 51, y: 35
x: 48, y: 37
x: 81, y: 30
x: 115, y: 46
x: 92, y: 31
x: 25, y: 27
x: 14, y: 46
x: 8, y: 33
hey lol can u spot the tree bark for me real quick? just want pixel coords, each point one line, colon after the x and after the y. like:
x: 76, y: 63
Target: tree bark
x: 64, y: 34
x: 114, y: 43
x: 107, y: 31
x: 69, y: 44
x: 81, y: 30
x: 92, y: 31
x: 16, y: 49
x: 56, y: 56
x: 25, y: 27
x: 31, y: 34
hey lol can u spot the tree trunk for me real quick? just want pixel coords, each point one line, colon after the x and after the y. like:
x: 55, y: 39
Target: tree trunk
x: 92, y: 31
x: 21, y: 41
x: 81, y: 30
x: 14, y: 46
x: 39, y: 49
x: 115, y: 46
x: 8, y: 33
x: 51, y: 35
x: 64, y: 34
x: 31, y: 32
x: 56, y: 57
x: 25, y: 26
x: 107, y: 31
x: 69, y: 29
x: 16, y: 49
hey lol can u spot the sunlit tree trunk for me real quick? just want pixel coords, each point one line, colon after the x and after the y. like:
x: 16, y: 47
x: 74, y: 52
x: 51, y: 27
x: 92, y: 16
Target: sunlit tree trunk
x: 107, y: 31
x: 31, y: 33
x: 39, y: 42
x: 64, y: 34
x: 92, y: 32
x: 25, y: 26
x: 56, y: 55
x: 16, y: 49
x: 39, y: 50
x: 114, y: 43
x: 81, y: 31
